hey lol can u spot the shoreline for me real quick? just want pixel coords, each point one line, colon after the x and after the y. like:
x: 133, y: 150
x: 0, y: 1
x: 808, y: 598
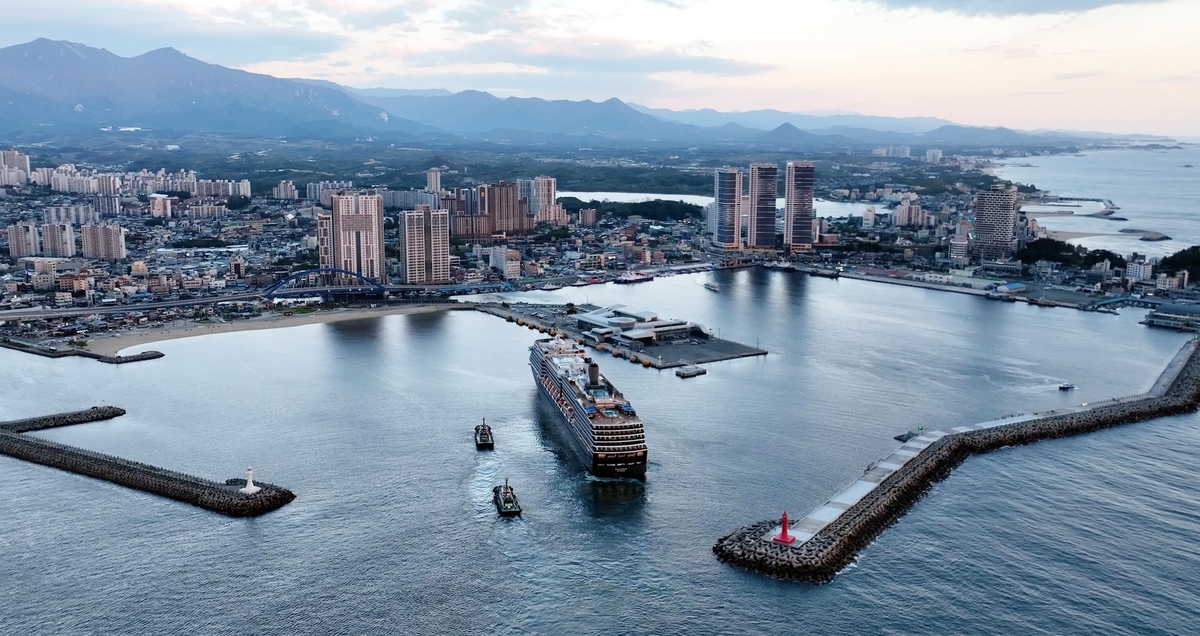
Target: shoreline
x: 112, y: 345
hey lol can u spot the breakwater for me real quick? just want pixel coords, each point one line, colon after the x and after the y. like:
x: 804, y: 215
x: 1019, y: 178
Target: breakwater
x: 48, y: 352
x: 829, y: 537
x: 224, y: 498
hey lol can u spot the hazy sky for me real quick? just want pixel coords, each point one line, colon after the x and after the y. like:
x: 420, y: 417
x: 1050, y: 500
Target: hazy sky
x: 1121, y: 66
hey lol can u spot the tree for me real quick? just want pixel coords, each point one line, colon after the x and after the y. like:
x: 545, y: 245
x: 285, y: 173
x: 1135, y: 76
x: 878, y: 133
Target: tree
x: 1097, y: 256
x: 570, y: 307
x: 237, y: 202
x: 1049, y: 250
x: 1188, y: 259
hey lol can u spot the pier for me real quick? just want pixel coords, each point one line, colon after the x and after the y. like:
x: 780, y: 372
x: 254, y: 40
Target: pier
x: 680, y: 353
x: 47, y: 352
x: 234, y: 497
x: 828, y: 538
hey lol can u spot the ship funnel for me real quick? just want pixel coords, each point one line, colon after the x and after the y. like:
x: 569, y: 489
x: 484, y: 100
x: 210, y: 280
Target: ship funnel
x: 594, y: 374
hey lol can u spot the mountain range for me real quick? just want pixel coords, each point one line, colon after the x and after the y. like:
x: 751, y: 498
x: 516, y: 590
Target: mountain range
x: 66, y: 88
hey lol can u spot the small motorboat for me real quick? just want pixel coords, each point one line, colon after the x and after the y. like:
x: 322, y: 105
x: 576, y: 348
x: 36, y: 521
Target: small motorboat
x: 1066, y: 386
x: 711, y: 286
x: 483, y: 437
x: 506, y: 500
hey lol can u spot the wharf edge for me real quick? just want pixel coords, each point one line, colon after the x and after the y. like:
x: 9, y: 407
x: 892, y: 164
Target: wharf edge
x: 218, y: 497
x: 831, y: 536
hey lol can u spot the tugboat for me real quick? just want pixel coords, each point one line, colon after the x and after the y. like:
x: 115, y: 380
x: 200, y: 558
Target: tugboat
x: 506, y: 500
x: 483, y: 437
x: 1066, y: 386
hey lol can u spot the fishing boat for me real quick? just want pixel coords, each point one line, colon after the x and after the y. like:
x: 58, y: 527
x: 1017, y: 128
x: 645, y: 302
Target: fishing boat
x: 506, y: 500
x: 712, y: 286
x: 483, y: 437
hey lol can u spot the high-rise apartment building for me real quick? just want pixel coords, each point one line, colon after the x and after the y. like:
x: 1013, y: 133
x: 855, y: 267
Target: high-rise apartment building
x: 23, y: 240
x: 764, y: 188
x: 106, y: 205
x: 108, y: 184
x: 160, y: 206
x: 798, y: 215
x: 58, y: 240
x: 933, y: 155
x: 995, y: 223
x: 285, y: 190
x: 545, y: 193
x: 350, y: 236
x: 15, y: 159
x: 433, y: 180
x: 587, y: 217
x: 425, y: 246
x: 313, y: 190
x: 509, y: 212
x: 73, y: 214
x: 726, y: 218
x: 104, y: 242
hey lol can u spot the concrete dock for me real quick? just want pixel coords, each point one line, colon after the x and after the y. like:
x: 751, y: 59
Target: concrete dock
x: 660, y: 356
x: 828, y: 538
x: 225, y: 498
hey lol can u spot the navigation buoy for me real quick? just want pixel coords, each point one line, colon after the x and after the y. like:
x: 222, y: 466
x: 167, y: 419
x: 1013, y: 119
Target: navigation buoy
x: 249, y: 488
x: 783, y: 536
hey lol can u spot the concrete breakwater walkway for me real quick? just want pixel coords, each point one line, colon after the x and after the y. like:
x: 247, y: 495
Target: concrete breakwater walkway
x: 39, y: 350
x: 828, y: 538
x: 224, y: 498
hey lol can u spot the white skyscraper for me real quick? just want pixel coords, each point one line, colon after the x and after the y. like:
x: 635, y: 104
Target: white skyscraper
x: 933, y: 155
x: 58, y: 239
x: 23, y: 240
x: 433, y: 180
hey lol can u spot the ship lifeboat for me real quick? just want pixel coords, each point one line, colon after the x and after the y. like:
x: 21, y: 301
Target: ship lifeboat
x: 509, y: 319
x: 542, y: 329
x: 616, y: 354
x: 579, y: 340
x: 553, y: 332
x: 520, y: 322
x: 633, y: 359
x: 645, y: 363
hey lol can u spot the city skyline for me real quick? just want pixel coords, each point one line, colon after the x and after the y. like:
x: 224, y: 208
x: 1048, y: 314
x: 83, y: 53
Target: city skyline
x: 1020, y: 65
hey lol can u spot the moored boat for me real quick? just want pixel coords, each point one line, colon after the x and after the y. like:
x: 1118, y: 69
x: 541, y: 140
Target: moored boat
x: 506, y: 500
x: 483, y: 437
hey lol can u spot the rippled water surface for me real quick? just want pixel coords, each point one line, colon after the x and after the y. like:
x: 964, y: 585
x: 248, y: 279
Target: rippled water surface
x: 392, y: 531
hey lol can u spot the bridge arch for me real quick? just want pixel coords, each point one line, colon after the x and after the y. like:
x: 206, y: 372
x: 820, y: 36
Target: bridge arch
x: 279, y: 285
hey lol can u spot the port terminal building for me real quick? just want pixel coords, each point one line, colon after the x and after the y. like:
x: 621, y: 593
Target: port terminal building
x: 634, y: 329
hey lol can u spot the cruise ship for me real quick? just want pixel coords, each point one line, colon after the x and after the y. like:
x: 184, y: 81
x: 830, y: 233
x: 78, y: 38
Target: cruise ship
x: 604, y: 430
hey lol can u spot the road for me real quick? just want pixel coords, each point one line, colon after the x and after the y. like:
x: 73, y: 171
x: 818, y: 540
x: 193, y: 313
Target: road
x: 30, y: 314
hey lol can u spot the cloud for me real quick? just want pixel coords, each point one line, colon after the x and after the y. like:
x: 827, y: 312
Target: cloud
x: 1078, y: 75
x: 1009, y: 7
x: 610, y: 57
x: 1194, y: 76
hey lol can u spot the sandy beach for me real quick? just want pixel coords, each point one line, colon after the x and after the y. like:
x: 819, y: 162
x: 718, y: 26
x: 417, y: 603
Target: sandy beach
x: 114, y: 344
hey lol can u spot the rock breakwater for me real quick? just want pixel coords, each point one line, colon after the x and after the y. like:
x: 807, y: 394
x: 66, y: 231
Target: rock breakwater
x: 834, y: 546
x: 224, y: 498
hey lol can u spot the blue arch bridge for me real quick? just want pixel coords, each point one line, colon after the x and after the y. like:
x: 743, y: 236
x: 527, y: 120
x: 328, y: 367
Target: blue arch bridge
x: 324, y: 281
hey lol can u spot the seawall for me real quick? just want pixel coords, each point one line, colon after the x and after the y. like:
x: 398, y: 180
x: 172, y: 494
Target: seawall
x: 830, y: 537
x: 210, y: 495
x: 8, y: 343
